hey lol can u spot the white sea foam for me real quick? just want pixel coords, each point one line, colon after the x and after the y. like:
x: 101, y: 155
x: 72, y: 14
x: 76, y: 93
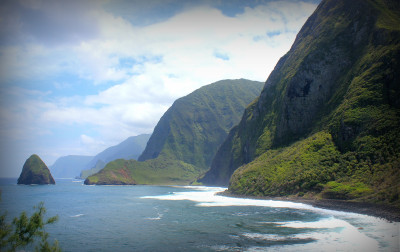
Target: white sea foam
x: 335, y: 233
x: 269, y: 237
x: 159, y: 216
x: 206, y: 197
x: 76, y: 216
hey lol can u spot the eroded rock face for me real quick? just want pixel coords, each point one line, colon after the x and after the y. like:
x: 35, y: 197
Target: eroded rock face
x: 339, y: 76
x: 36, y: 172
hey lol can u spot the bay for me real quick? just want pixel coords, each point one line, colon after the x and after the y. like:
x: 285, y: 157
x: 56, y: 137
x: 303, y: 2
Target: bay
x: 191, y: 218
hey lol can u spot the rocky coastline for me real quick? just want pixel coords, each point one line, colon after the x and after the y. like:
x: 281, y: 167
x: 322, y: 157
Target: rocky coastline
x: 387, y: 212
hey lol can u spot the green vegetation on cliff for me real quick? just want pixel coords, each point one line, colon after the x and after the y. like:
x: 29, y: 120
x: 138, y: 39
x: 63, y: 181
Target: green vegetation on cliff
x: 35, y: 171
x: 299, y: 168
x: 338, y: 85
x: 195, y: 125
x: 159, y: 171
x: 186, y: 137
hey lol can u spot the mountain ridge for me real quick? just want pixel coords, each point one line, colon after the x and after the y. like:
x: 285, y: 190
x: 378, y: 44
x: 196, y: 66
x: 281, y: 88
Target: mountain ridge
x: 75, y: 166
x: 215, y: 99
x: 186, y: 137
x: 130, y: 148
x: 69, y: 166
x: 337, y: 85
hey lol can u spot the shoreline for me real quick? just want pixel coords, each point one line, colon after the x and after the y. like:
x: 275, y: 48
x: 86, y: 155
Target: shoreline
x: 389, y: 213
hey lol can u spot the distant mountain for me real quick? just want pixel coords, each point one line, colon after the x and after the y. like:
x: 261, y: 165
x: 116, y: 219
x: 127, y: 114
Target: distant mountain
x: 327, y: 121
x: 36, y: 172
x: 99, y: 165
x: 69, y: 166
x: 131, y: 148
x: 186, y: 137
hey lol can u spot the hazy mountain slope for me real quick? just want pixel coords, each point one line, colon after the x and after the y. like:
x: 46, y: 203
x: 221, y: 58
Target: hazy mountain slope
x: 69, y: 166
x: 328, y: 118
x: 188, y: 134
x: 130, y: 148
x: 99, y: 165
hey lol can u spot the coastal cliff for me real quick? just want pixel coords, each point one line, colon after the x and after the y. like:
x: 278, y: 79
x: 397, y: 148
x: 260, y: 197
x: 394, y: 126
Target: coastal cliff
x: 327, y: 121
x: 186, y: 137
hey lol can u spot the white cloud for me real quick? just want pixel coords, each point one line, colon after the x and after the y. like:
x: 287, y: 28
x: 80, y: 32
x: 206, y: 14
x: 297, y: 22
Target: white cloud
x: 139, y: 71
x: 91, y: 143
x: 187, y: 42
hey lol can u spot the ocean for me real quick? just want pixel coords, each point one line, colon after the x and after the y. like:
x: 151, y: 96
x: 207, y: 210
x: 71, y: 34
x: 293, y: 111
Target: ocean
x: 191, y: 218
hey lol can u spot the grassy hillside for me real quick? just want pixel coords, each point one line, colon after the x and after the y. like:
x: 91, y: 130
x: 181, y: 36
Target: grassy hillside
x: 301, y: 167
x: 327, y: 122
x: 187, y: 136
x: 159, y: 171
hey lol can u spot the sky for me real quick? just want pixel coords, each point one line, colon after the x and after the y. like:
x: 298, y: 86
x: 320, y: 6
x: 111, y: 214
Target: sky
x: 79, y: 76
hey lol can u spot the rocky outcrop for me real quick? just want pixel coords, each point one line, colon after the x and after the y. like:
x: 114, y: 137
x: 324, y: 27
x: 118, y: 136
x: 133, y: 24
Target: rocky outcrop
x: 36, y: 172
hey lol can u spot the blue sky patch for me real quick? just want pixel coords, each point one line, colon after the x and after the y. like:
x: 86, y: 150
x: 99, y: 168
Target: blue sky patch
x: 222, y: 56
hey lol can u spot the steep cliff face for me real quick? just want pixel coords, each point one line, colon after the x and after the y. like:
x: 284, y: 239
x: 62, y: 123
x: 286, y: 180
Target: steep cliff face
x: 195, y: 125
x: 339, y: 78
x: 36, y: 172
x: 187, y: 136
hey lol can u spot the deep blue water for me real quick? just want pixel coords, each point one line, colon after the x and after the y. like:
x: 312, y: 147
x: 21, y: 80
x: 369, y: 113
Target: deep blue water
x: 162, y: 218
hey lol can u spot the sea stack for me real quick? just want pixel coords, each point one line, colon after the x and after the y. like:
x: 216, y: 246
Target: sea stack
x: 36, y: 172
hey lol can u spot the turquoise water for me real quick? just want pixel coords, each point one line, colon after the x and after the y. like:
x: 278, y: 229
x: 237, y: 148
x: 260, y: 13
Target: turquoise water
x: 162, y: 218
